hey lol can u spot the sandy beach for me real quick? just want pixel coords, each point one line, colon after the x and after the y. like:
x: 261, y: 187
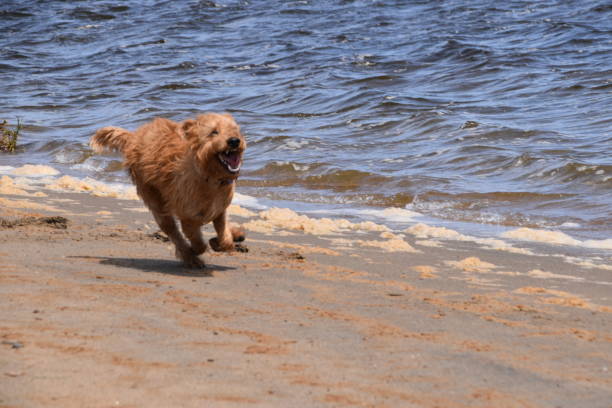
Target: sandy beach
x: 95, y: 311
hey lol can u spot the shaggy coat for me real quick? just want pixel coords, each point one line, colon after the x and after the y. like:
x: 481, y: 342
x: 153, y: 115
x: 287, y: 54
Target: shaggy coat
x: 185, y: 171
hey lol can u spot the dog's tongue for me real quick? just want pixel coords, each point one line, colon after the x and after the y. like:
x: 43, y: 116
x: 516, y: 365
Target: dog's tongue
x: 233, y: 159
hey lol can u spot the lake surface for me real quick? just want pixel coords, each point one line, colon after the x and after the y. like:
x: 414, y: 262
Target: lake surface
x: 490, y: 113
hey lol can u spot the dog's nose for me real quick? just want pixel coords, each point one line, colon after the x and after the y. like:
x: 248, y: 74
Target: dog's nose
x: 233, y: 143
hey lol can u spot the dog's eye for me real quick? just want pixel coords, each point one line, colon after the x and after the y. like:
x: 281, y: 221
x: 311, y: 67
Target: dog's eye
x: 214, y: 133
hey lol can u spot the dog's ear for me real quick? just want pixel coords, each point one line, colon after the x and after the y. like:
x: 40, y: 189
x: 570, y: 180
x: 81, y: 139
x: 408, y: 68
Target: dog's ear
x: 189, y: 127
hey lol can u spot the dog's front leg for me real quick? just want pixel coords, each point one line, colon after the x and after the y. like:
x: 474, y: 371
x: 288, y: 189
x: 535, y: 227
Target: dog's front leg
x: 226, y: 236
x: 224, y: 240
x: 192, y: 230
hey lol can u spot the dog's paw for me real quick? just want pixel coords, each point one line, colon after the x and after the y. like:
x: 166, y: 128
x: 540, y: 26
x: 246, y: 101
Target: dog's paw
x: 216, y: 246
x: 241, y: 248
x: 194, y: 262
x: 238, y: 234
x: 229, y: 247
x: 190, y: 259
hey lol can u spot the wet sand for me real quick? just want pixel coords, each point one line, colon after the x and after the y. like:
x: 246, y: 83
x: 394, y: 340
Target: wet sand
x: 96, y: 312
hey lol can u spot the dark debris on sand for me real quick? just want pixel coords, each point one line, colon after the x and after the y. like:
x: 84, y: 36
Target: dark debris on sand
x: 53, y: 222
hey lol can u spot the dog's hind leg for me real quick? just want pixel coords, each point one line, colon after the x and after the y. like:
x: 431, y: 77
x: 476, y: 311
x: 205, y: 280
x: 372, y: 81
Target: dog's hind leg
x: 190, y: 258
x: 183, y: 250
x: 167, y: 224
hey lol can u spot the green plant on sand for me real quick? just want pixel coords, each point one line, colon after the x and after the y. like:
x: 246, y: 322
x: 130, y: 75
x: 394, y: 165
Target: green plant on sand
x: 8, y: 137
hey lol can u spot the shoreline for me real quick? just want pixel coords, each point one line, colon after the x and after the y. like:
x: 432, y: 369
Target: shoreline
x: 32, y: 180
x: 317, y: 313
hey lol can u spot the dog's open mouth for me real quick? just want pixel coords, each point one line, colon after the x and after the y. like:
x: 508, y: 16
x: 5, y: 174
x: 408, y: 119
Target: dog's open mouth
x: 231, y: 159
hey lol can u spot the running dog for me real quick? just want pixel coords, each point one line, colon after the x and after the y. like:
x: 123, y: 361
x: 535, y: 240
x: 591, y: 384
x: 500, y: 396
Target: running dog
x: 185, y: 171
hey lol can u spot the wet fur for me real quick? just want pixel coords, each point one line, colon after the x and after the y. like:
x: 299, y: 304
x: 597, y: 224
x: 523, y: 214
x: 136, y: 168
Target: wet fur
x: 179, y: 176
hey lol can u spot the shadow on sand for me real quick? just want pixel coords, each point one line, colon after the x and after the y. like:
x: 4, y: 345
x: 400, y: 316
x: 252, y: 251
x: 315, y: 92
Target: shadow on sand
x: 169, y: 267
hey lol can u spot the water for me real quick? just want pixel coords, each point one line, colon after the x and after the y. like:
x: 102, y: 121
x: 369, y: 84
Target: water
x: 483, y: 112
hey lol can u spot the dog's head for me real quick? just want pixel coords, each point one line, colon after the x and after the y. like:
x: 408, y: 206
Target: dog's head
x: 217, y: 142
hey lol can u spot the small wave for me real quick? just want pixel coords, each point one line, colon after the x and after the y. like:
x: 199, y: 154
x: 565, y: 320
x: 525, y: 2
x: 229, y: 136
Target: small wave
x: 300, y: 115
x: 98, y: 166
x: 14, y: 14
x: 282, y: 169
x: 43, y: 107
x: 577, y: 174
x: 176, y: 85
x: 328, y: 177
x: 378, y: 81
x: 281, y: 191
x: 83, y: 13
x: 604, y: 87
x: 518, y: 209
x: 461, y: 51
x: 8, y: 67
x: 297, y: 12
x: 299, y: 32
x: 181, y: 66
x: 145, y: 43
x: 343, y: 180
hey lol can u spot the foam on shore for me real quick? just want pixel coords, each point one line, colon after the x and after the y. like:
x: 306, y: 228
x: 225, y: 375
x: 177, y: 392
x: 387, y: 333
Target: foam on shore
x: 284, y: 218
x: 9, y: 187
x: 28, y: 181
x: 555, y: 237
x: 472, y: 264
x: 27, y: 205
x: 539, y: 274
x: 46, y: 177
x: 97, y: 188
x: 428, y: 232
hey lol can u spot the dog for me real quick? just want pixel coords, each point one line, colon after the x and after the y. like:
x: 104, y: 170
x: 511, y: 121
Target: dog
x: 185, y: 171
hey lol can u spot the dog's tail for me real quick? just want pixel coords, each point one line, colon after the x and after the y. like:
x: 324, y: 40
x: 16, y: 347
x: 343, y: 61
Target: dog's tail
x: 110, y: 138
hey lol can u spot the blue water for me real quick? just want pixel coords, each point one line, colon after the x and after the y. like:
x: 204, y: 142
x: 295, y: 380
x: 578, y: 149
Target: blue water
x: 494, y: 113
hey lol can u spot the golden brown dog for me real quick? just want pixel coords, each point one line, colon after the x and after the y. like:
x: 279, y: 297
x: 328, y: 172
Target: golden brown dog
x: 184, y: 170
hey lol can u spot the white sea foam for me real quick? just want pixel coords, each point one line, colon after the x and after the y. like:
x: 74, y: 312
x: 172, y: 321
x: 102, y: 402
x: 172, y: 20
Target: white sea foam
x: 94, y: 187
x: 287, y: 219
x: 88, y: 167
x: 293, y: 144
x: 424, y: 231
x: 248, y: 201
x: 34, y: 170
x: 390, y: 214
x: 555, y: 237
x: 46, y: 177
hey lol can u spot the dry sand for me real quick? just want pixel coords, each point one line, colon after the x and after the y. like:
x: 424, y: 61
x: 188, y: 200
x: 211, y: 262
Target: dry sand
x: 96, y: 312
